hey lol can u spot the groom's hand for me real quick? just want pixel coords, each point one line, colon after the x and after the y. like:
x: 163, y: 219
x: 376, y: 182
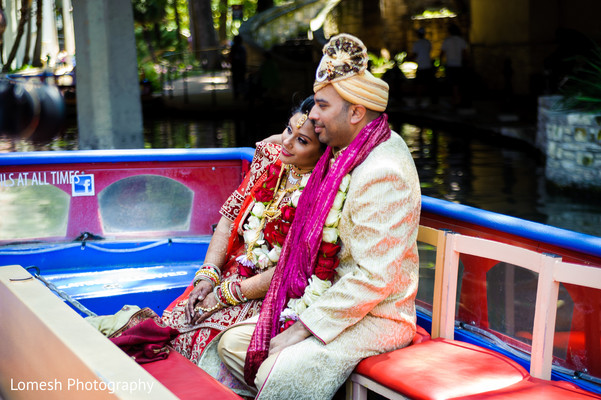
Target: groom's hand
x: 296, y: 333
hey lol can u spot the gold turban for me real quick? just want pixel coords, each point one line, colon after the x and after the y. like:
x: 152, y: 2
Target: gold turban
x: 344, y: 66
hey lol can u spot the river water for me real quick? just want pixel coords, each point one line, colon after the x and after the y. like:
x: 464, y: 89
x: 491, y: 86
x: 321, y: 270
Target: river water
x: 463, y: 167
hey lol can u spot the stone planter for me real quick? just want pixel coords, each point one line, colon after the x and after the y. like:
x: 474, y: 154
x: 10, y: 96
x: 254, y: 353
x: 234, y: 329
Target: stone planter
x: 571, y: 142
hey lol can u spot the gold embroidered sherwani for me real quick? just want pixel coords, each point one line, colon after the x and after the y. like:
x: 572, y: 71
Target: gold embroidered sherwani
x: 370, y: 308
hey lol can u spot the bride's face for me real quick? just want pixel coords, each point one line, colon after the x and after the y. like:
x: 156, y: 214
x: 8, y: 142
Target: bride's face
x: 300, y: 146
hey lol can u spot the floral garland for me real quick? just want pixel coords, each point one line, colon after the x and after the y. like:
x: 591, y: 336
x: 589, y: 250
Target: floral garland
x: 327, y: 262
x: 266, y: 228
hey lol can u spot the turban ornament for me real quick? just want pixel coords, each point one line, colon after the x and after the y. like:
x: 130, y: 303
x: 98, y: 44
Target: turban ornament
x: 344, y: 66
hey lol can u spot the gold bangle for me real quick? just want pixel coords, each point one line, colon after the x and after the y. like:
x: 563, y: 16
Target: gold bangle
x: 238, y: 289
x: 209, y: 273
x: 225, y: 289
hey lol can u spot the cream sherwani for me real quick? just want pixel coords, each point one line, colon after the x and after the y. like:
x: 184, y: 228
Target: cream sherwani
x: 370, y: 308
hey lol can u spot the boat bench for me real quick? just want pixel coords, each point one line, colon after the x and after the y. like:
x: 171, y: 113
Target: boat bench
x: 186, y: 380
x: 46, y: 346
x: 444, y: 368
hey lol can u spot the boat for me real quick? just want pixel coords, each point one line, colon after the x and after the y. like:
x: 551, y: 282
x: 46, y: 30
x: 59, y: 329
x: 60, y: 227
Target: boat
x: 100, y: 229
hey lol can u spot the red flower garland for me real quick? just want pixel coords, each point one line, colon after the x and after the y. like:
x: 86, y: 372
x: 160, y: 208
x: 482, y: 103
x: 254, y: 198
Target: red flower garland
x: 265, y: 193
x: 275, y: 231
x: 327, y: 261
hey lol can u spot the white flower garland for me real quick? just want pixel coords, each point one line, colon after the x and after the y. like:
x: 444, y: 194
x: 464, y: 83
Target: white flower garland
x: 316, y: 286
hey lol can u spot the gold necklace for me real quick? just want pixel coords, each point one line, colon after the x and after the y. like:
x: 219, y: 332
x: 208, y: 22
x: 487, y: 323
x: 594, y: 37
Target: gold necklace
x: 273, y: 211
x: 293, y: 175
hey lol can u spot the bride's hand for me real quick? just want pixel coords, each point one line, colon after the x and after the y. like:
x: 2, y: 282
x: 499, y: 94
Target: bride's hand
x: 276, y: 139
x: 209, y: 303
x: 197, y: 295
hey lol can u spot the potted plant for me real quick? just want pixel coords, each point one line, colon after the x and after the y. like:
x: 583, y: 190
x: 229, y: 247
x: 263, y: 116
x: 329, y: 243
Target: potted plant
x: 569, y: 126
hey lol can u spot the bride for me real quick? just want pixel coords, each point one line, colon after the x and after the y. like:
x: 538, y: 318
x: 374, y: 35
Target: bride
x: 238, y: 267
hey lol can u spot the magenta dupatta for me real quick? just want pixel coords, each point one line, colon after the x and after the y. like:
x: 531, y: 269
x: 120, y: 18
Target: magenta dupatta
x: 299, y: 253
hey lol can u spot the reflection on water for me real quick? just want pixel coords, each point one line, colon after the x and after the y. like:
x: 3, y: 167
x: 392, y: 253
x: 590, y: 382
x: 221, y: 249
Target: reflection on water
x: 462, y: 168
x: 186, y: 133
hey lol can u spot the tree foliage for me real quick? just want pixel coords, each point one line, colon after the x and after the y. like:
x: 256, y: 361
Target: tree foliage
x: 24, y: 18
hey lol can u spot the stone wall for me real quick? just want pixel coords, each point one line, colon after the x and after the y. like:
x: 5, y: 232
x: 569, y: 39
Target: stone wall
x: 572, y: 144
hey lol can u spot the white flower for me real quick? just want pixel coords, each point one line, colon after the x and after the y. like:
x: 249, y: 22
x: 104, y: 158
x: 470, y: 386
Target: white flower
x: 314, y: 289
x: 259, y: 252
x: 299, y: 306
x: 288, y: 314
x: 264, y: 261
x: 292, y: 303
x: 274, y: 254
x: 249, y: 235
x: 258, y: 209
x: 345, y: 182
x: 330, y: 235
x: 333, y: 218
x: 339, y: 200
x: 294, y: 198
x: 253, y: 223
x: 304, y: 180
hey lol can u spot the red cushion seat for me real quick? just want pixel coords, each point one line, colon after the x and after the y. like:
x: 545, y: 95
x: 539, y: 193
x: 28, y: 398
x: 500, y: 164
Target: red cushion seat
x: 421, y: 335
x: 186, y: 380
x: 442, y: 369
x: 537, y: 389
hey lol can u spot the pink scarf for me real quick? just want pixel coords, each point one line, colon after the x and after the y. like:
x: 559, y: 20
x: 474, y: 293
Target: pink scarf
x: 299, y: 253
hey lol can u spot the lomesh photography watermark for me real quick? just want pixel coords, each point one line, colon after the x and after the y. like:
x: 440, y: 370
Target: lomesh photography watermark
x: 82, y: 386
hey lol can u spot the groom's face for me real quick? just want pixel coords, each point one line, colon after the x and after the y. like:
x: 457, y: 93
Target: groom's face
x: 331, y: 117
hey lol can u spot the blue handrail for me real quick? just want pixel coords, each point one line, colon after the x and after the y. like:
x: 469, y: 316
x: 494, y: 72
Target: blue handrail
x: 89, y: 156
x: 564, y: 238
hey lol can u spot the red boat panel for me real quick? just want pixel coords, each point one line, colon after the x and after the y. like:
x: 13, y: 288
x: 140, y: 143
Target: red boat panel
x: 211, y: 182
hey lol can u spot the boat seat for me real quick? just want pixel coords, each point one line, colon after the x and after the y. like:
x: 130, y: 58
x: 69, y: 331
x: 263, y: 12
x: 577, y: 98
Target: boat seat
x: 421, y: 335
x: 443, y: 368
x: 186, y: 380
x: 438, y: 369
x: 44, y: 329
x: 536, y: 389
x: 45, y: 341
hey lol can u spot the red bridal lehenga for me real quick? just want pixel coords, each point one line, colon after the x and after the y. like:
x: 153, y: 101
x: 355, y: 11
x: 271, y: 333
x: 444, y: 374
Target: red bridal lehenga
x: 259, y: 185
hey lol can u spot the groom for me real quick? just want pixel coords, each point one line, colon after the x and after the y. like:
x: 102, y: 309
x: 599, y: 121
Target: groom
x: 370, y: 308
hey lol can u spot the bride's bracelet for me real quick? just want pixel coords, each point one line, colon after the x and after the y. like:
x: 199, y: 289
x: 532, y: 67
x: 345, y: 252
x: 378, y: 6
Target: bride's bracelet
x: 219, y: 296
x: 236, y: 290
x: 211, y: 266
x: 208, y: 272
x: 230, y: 292
x: 227, y: 293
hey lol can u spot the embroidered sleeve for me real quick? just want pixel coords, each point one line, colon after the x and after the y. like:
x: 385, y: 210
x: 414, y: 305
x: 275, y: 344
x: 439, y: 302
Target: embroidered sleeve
x: 265, y: 154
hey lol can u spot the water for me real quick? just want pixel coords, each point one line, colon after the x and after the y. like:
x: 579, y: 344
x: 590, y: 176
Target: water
x: 464, y: 167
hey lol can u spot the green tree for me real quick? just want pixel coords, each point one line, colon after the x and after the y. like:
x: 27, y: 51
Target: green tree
x: 37, y: 49
x: 263, y: 5
x: 148, y: 14
x: 25, y: 14
x: 204, y: 37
